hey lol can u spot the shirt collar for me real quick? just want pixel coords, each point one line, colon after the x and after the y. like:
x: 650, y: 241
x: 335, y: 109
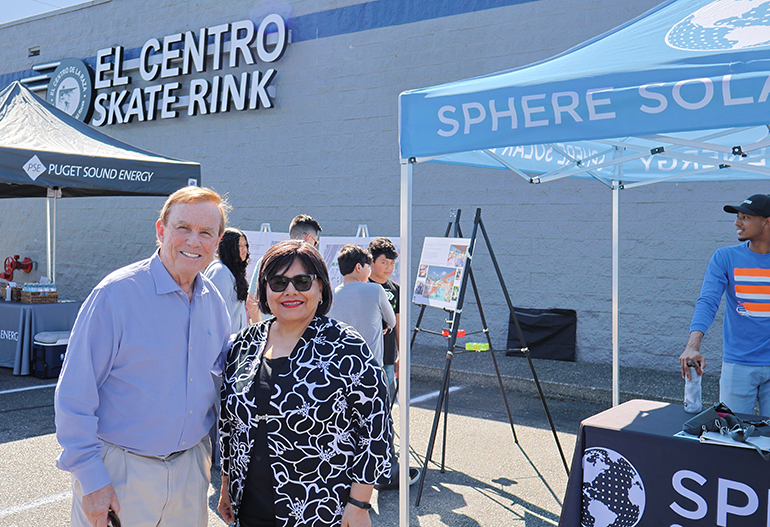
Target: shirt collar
x: 165, y: 284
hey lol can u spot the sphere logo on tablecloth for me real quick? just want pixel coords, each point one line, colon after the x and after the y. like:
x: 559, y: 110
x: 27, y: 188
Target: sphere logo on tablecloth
x: 723, y: 25
x: 613, y: 492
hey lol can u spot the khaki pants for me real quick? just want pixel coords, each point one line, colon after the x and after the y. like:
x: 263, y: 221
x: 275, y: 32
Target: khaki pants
x: 154, y: 492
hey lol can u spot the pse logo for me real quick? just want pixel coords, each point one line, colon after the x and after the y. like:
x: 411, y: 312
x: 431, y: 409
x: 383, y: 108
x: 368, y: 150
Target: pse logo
x: 34, y: 167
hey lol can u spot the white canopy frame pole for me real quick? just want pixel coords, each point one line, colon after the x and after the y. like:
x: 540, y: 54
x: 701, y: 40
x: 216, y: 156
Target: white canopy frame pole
x: 616, y: 278
x: 53, y: 237
x: 615, y: 294
x: 49, y: 266
x: 404, y: 352
x: 50, y: 232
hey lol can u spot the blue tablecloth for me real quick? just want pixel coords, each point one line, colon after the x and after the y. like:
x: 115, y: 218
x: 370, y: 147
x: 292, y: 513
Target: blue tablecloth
x: 19, y: 323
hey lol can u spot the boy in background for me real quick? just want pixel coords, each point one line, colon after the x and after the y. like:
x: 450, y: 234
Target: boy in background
x: 361, y: 304
x: 384, y: 256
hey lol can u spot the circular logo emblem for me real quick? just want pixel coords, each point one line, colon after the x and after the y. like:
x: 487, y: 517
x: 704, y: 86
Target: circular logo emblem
x: 71, y: 89
x: 723, y: 25
x: 613, y: 492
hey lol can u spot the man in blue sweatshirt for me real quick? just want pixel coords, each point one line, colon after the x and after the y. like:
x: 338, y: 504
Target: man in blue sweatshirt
x: 742, y: 274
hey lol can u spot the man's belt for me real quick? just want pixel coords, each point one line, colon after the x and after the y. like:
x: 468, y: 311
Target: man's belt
x: 165, y: 457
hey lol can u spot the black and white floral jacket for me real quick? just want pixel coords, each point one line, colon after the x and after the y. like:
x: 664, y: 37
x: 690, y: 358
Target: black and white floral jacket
x: 329, y: 424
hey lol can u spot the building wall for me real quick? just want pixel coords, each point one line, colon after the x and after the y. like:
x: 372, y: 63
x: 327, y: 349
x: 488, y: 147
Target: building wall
x: 329, y: 148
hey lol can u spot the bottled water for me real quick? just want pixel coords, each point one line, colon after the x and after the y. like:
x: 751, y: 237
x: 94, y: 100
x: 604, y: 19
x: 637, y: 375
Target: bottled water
x: 693, y: 393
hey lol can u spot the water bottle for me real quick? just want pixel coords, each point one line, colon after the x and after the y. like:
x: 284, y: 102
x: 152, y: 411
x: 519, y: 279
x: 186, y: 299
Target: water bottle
x: 692, y: 392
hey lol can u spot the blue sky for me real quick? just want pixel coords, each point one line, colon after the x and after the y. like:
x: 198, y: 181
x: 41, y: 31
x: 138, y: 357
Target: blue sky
x: 16, y: 9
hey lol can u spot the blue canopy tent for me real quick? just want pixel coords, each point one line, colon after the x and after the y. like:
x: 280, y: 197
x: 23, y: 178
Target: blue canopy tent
x: 678, y: 94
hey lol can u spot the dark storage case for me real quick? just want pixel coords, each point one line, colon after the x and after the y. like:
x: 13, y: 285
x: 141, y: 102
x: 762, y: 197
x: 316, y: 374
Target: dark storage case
x: 549, y: 333
x: 48, y: 352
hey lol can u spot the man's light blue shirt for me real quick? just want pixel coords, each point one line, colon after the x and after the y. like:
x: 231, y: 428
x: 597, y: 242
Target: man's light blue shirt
x: 141, y: 369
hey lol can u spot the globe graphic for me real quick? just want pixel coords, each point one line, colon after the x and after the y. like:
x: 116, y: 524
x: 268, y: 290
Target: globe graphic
x: 723, y: 25
x: 613, y: 492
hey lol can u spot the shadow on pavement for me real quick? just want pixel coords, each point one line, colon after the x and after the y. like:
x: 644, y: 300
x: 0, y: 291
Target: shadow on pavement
x: 26, y: 406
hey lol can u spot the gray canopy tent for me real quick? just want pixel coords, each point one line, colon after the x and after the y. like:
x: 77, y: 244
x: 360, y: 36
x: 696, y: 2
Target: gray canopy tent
x: 46, y: 153
x: 678, y: 94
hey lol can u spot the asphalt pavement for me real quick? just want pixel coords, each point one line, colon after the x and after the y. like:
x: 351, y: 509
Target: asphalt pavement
x: 488, y: 478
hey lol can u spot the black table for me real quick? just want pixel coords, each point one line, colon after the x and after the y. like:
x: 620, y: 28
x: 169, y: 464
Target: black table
x: 628, y: 467
x: 19, y: 323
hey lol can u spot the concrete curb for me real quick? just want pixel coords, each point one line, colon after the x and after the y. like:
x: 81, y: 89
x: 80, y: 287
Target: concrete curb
x: 526, y: 385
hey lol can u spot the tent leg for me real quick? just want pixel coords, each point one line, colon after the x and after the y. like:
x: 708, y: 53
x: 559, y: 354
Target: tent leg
x: 50, y: 231
x: 49, y: 267
x: 615, y: 282
x: 53, y: 241
x: 404, y: 348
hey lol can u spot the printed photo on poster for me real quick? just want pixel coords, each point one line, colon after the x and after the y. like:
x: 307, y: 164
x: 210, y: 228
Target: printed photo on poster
x: 440, y: 272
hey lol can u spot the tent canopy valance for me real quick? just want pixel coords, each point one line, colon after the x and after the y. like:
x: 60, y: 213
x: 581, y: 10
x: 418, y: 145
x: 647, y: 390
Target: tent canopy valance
x: 681, y: 93
x: 42, y: 147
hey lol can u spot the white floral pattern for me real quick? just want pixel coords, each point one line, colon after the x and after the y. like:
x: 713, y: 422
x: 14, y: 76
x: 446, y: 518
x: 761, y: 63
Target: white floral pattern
x: 328, y: 426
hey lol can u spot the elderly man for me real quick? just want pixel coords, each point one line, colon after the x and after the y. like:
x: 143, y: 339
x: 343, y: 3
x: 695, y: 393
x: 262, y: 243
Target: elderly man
x: 136, y: 395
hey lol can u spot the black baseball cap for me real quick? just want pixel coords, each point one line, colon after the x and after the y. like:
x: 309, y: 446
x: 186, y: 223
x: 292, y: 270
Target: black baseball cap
x: 756, y: 205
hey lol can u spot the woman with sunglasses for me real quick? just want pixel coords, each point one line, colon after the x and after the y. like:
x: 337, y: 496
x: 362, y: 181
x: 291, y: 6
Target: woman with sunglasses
x: 228, y: 272
x: 305, y: 425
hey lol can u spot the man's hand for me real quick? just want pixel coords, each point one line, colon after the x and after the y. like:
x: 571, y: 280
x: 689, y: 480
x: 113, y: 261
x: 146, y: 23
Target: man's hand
x: 224, y: 507
x: 98, y: 503
x: 692, y: 355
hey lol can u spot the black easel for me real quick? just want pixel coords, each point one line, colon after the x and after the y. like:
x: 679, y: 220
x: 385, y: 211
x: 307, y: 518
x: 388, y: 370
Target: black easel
x: 453, y: 349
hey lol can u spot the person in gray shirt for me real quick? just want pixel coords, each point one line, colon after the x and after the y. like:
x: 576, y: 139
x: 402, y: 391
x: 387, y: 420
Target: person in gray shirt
x: 359, y: 303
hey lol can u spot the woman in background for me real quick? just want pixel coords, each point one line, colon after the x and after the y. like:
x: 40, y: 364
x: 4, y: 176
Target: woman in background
x: 305, y: 422
x: 228, y: 272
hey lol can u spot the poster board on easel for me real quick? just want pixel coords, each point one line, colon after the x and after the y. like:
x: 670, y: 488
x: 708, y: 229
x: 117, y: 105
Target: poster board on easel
x: 442, y: 265
x: 259, y: 243
x: 329, y: 247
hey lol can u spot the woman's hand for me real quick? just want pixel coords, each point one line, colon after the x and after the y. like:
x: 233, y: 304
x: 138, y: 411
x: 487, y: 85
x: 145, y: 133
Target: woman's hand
x: 224, y: 507
x: 353, y: 516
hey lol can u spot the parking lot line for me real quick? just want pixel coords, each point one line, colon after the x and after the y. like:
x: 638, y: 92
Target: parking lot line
x: 16, y: 509
x: 28, y: 388
x: 432, y: 395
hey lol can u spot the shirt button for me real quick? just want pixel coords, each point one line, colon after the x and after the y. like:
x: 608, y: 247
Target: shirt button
x: 190, y: 379
x: 184, y: 442
x: 190, y: 412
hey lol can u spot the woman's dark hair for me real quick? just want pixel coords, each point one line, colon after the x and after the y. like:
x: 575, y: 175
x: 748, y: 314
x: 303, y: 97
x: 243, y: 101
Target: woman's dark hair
x: 230, y: 255
x: 280, y: 257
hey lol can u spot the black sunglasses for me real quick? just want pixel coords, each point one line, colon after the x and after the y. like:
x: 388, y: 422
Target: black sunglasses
x: 302, y: 282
